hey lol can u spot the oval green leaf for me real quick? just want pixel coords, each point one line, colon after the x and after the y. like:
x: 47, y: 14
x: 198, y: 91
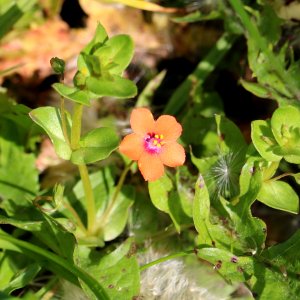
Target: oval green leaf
x: 115, y: 221
x: 100, y: 37
x: 96, y: 145
x: 49, y: 118
x: 263, y: 140
x: 115, y: 86
x: 279, y: 195
x: 284, y: 122
x: 117, y: 51
x: 72, y: 93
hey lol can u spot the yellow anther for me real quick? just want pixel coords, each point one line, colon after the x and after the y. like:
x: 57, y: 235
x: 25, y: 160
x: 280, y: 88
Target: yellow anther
x: 162, y: 143
x: 155, y: 142
x: 161, y: 136
x: 158, y: 145
x: 156, y: 136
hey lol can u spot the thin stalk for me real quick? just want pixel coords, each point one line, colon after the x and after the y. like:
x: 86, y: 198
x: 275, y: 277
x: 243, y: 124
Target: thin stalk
x: 280, y: 176
x: 169, y: 231
x: 89, y: 198
x: 168, y: 257
x: 76, y: 126
x: 115, y: 195
x: 87, y: 186
x: 75, y: 215
x: 46, y: 289
x: 63, y: 120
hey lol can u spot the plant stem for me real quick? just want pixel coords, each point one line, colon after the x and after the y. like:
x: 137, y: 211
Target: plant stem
x: 168, y: 257
x: 89, y: 198
x: 76, y: 126
x: 280, y: 176
x: 63, y: 120
x: 75, y: 215
x: 115, y: 195
x: 87, y: 186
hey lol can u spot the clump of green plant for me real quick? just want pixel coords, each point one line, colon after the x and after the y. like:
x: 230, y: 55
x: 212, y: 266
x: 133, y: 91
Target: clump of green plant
x: 78, y: 233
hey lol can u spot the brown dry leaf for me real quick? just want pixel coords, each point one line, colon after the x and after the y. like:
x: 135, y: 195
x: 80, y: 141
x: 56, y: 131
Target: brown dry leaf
x: 34, y: 48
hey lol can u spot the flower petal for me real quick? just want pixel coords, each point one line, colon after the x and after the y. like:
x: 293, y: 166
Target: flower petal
x: 151, y: 166
x: 132, y: 146
x: 172, y: 155
x: 141, y: 121
x: 168, y: 127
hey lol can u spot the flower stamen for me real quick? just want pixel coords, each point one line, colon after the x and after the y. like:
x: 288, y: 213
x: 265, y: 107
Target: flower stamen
x: 153, y: 142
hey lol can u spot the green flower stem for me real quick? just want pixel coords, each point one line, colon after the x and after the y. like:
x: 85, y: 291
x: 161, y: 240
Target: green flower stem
x: 168, y: 257
x: 63, y: 120
x: 115, y: 195
x: 89, y: 198
x: 87, y: 187
x: 76, y: 126
x: 11, y: 243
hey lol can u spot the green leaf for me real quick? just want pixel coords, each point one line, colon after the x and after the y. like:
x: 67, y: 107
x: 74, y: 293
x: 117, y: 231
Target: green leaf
x: 184, y: 182
x: 282, y: 278
x: 263, y: 140
x: 18, y: 174
x: 7, y: 269
x: 72, y: 93
x: 118, y: 271
x: 256, y: 89
x: 230, y: 136
x: 47, y: 229
x: 286, y: 130
x: 22, y: 278
x: 284, y: 121
x: 53, y: 262
x: 49, y: 119
x: 165, y: 199
x: 117, y: 52
x: 96, y: 145
x: 279, y: 195
x: 56, y: 237
x: 115, y: 221
x: 159, y: 192
x: 252, y: 230
x: 13, y: 13
x: 100, y: 37
x: 115, y: 86
x: 216, y: 234
x: 231, y: 267
x: 30, y: 225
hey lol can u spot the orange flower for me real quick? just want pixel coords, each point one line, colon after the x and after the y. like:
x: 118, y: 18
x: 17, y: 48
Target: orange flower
x: 153, y: 143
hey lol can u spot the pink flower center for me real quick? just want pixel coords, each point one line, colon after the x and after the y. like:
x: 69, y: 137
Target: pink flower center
x: 153, y: 142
